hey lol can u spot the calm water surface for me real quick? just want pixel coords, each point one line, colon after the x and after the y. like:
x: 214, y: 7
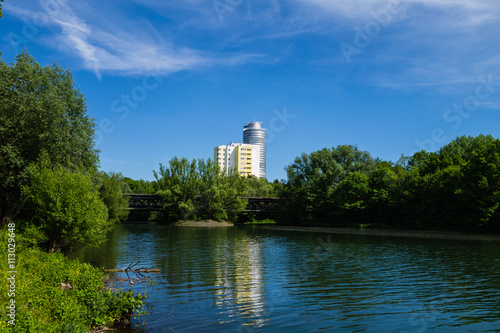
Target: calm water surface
x: 261, y: 279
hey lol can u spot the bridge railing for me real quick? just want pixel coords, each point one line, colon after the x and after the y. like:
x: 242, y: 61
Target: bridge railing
x: 154, y: 202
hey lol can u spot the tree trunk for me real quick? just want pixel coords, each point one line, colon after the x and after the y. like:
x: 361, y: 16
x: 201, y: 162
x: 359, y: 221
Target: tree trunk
x: 5, y: 220
x: 53, y: 246
x: 7, y: 214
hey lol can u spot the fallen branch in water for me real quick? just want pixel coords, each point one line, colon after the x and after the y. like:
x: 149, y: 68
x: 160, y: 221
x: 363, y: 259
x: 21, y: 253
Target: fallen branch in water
x: 141, y: 270
x: 136, y: 271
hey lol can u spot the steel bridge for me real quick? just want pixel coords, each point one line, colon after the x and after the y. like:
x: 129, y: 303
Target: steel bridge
x: 153, y: 202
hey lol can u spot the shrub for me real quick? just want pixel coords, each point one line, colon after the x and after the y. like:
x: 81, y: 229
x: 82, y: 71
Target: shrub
x: 43, y: 306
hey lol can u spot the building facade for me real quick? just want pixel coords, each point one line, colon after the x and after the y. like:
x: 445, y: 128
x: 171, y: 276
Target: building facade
x: 254, y: 134
x: 243, y: 158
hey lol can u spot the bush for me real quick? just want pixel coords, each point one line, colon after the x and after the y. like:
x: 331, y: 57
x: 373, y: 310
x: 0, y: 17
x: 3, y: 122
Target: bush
x: 66, y: 208
x: 43, y: 306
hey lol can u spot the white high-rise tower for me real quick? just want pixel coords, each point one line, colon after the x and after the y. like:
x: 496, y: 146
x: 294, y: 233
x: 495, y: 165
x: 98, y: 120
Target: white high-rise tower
x: 254, y: 134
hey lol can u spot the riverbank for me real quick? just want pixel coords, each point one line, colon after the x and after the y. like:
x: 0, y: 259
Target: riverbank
x: 48, y: 292
x: 393, y: 233
x: 202, y: 223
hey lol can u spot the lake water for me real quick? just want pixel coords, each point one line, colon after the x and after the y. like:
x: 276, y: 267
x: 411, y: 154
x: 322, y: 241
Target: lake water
x: 264, y: 279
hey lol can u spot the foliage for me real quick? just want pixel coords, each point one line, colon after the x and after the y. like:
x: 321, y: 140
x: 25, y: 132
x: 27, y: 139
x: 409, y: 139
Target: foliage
x: 40, y: 111
x: 456, y: 188
x: 178, y: 185
x: 140, y: 186
x: 264, y: 221
x: 313, y: 177
x: 66, y: 207
x: 43, y: 306
x: 112, y: 192
x: 199, y: 189
x: 1, y: 8
x: 259, y: 187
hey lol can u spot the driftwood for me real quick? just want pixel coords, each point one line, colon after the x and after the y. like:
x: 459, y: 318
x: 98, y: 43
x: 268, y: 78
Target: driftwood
x: 141, y: 270
x: 137, y: 271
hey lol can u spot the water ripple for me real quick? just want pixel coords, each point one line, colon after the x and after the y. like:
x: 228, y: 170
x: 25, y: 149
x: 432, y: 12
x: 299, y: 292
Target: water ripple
x: 265, y: 280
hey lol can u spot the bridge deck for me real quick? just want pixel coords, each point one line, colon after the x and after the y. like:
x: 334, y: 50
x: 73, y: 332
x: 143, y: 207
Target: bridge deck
x: 153, y: 202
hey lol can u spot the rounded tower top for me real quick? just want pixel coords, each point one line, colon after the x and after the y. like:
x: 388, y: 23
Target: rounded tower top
x: 254, y: 125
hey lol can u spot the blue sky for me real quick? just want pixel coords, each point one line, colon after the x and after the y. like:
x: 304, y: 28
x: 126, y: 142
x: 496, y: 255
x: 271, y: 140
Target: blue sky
x: 177, y: 78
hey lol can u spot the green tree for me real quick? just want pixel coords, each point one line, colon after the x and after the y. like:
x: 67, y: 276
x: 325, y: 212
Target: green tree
x: 278, y: 188
x: 178, y: 185
x: 199, y: 189
x: 313, y: 177
x: 478, y: 190
x: 220, y: 195
x: 140, y: 186
x: 350, y: 199
x: 451, y: 189
x: 112, y: 193
x: 66, y: 207
x: 40, y: 111
x: 259, y: 187
x: 1, y: 8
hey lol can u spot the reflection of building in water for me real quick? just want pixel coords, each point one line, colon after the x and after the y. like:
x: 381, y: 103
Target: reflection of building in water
x: 242, y: 283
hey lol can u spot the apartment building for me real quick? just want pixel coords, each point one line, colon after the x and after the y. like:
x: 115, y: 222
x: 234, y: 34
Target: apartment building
x: 241, y: 157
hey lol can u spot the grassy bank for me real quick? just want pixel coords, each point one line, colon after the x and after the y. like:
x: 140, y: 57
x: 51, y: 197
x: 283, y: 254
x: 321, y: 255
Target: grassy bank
x: 265, y: 221
x: 52, y: 293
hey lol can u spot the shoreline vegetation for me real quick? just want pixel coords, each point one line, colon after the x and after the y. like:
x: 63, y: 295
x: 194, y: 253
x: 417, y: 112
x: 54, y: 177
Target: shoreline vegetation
x: 53, y: 293
x: 202, y: 223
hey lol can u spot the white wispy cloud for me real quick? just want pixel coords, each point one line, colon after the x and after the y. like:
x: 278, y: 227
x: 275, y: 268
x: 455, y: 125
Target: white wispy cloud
x: 119, y: 45
x: 424, y: 43
x: 363, y: 9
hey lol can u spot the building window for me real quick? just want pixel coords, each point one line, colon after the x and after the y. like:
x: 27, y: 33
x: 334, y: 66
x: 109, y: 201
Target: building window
x: 242, y: 149
x: 244, y: 154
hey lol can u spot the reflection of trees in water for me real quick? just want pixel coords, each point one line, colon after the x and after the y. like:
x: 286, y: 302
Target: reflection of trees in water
x: 106, y: 254
x: 231, y: 276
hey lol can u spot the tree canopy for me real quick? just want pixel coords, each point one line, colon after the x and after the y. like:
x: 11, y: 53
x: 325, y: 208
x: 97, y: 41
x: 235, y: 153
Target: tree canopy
x: 455, y: 188
x: 40, y: 112
x: 66, y: 207
x: 199, y: 189
x: 313, y: 177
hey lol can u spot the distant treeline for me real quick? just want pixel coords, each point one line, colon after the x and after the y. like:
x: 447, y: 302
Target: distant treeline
x: 456, y: 188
